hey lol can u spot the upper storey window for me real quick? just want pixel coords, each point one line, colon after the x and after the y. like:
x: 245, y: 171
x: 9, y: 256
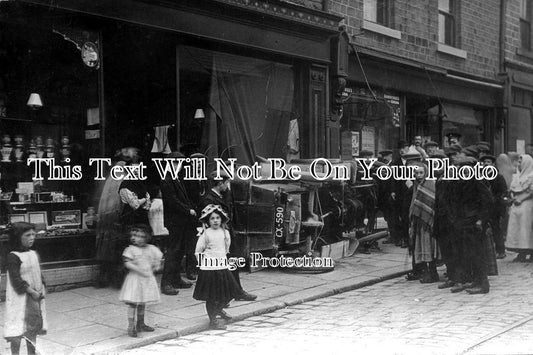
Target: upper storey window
x: 378, y: 11
x: 525, y: 23
x: 447, y: 22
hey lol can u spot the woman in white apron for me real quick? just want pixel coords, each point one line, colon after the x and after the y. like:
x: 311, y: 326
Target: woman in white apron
x: 25, y: 315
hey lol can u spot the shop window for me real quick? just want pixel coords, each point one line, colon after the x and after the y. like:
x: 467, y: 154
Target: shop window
x: 371, y: 120
x: 526, y: 14
x: 522, y: 97
x: 378, y: 11
x: 246, y: 105
x: 466, y: 120
x: 447, y: 22
x: 49, y: 105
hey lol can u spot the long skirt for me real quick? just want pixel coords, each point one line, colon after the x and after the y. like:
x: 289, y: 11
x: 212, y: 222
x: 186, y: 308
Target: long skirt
x: 216, y: 286
x: 425, y: 248
x: 520, y: 227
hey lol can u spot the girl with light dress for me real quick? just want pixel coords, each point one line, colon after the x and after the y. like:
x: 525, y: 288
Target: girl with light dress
x: 140, y: 286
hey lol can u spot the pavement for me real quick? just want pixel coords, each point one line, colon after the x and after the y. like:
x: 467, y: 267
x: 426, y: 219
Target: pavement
x: 92, y: 321
x: 393, y: 317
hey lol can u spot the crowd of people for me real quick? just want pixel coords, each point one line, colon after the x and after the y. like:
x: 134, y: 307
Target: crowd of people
x: 194, y: 219
x: 465, y: 224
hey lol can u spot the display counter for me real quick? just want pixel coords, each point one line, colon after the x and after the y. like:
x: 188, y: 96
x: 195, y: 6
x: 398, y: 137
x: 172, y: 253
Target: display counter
x: 65, y: 245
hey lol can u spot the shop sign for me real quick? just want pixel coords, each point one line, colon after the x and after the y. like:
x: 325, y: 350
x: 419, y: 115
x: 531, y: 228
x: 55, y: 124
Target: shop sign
x: 355, y: 144
x: 368, y: 138
x: 521, y: 146
x: 394, y: 103
x: 89, y: 55
x: 92, y: 134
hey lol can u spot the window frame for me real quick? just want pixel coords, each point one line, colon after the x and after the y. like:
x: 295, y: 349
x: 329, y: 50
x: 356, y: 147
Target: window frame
x: 526, y: 16
x: 450, y: 15
x: 386, y: 14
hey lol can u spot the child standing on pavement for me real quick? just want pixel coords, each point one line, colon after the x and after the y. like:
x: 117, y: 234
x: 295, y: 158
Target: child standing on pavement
x: 140, y: 286
x: 25, y: 315
x: 216, y: 285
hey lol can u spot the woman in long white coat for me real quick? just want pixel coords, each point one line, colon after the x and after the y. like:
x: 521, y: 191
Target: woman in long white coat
x: 520, y: 228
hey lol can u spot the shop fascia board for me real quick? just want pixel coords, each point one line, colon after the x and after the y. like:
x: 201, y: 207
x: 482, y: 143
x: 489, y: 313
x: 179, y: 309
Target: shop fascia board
x: 311, y: 45
x: 469, y: 79
x: 388, y: 58
x: 295, y: 19
x: 410, y: 79
x: 517, y: 65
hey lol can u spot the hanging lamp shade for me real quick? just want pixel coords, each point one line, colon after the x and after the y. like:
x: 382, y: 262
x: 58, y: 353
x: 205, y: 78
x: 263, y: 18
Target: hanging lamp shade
x: 35, y: 101
x: 199, y: 113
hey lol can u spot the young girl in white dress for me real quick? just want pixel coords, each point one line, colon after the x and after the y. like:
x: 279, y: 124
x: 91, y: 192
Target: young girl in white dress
x: 140, y: 286
x: 216, y: 285
x: 25, y: 314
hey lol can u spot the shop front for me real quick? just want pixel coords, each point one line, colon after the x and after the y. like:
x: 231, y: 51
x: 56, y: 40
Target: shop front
x: 82, y: 79
x: 398, y: 101
x: 519, y: 104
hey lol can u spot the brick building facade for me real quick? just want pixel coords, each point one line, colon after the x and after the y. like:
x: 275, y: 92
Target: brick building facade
x: 518, y: 66
x: 422, y: 68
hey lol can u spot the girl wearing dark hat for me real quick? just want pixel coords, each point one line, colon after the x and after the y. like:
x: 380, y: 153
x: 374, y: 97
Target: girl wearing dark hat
x: 216, y: 285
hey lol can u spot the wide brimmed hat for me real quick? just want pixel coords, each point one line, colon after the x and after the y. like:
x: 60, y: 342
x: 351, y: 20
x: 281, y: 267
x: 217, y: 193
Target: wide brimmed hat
x: 206, y: 212
x: 385, y: 152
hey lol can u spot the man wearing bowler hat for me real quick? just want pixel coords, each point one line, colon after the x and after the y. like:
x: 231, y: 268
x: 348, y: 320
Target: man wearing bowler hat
x: 180, y: 220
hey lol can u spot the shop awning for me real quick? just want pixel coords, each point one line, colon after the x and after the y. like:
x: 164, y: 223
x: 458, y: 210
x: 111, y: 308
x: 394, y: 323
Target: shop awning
x: 459, y: 114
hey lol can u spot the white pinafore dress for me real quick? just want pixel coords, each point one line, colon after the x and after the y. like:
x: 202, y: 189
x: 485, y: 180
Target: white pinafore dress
x: 30, y: 271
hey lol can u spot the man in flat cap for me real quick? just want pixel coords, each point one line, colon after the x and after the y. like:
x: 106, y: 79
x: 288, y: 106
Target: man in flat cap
x: 471, y: 151
x: 483, y: 148
x: 417, y: 144
x: 454, y: 152
x: 453, y: 137
x: 431, y: 147
x: 180, y: 220
x: 366, y: 154
x: 385, y: 156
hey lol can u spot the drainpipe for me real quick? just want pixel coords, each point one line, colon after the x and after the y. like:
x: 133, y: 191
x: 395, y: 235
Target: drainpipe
x: 503, y: 23
x: 502, y: 114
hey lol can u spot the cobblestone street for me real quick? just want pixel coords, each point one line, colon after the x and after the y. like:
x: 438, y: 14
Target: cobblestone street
x: 392, y: 317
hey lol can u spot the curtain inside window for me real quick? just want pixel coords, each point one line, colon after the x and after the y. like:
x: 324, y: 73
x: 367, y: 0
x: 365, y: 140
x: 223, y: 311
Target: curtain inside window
x: 250, y: 102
